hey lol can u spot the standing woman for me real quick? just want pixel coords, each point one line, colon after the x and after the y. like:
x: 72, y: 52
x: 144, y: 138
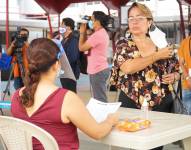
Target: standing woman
x: 141, y: 70
x: 97, y: 46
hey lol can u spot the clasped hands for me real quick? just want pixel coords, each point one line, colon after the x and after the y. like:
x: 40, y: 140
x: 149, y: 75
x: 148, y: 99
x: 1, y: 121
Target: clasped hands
x: 170, y: 78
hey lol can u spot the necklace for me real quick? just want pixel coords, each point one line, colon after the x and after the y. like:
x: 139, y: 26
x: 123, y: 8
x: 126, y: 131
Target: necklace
x: 139, y: 39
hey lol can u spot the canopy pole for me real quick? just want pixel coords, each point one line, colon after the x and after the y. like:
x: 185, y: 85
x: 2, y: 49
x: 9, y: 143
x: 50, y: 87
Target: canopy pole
x: 50, y: 25
x: 58, y: 21
x: 7, y: 24
x: 182, y: 26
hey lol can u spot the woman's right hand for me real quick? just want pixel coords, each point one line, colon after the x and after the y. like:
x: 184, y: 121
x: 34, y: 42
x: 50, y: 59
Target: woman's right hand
x: 165, y: 53
x: 83, y: 28
x: 112, y: 118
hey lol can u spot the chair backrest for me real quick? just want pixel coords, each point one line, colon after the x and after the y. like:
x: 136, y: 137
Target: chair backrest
x: 17, y: 135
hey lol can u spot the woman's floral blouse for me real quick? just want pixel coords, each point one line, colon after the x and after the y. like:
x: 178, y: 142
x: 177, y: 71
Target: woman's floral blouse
x: 145, y: 83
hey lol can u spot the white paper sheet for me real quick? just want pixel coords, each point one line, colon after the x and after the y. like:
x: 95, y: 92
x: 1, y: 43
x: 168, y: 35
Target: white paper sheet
x: 158, y: 37
x: 99, y: 110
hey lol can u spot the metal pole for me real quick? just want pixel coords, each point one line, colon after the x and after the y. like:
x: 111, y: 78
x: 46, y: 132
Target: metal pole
x: 108, y: 11
x: 119, y: 16
x: 50, y: 26
x: 7, y: 24
x: 189, y: 15
x: 58, y: 21
x: 182, y: 26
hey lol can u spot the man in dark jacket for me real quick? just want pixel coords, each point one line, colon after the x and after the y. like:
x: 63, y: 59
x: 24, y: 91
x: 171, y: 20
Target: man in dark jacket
x: 70, y: 45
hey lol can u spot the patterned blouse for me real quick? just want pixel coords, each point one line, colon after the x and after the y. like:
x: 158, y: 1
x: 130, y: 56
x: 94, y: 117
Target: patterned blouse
x: 145, y: 83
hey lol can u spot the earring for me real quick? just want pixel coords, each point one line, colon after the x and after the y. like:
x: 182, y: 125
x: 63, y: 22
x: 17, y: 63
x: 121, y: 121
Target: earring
x: 152, y: 27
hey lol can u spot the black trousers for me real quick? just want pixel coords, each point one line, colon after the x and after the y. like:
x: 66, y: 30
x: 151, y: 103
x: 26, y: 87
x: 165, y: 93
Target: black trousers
x: 68, y: 84
x: 165, y: 106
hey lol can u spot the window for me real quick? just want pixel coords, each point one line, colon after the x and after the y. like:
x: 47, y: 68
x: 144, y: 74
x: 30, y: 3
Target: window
x: 89, y: 3
x: 140, y: 0
x: 96, y: 2
x: 3, y: 36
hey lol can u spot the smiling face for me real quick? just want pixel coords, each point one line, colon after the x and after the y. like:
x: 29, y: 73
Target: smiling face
x: 138, y: 22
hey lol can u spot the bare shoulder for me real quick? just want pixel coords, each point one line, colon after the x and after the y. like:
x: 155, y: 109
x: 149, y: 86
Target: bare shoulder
x: 71, y: 104
x: 71, y: 97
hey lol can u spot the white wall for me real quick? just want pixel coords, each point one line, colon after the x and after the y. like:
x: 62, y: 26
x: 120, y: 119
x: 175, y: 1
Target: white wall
x: 13, y: 9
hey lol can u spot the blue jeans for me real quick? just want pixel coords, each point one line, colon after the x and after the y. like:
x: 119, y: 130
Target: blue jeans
x: 186, y: 96
x: 18, y: 83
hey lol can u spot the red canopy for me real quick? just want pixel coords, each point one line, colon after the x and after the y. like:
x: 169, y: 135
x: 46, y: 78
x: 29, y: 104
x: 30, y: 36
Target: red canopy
x: 188, y: 1
x: 57, y: 6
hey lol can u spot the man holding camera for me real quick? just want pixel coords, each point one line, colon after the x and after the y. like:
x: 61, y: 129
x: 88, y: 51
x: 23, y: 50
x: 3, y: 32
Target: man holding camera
x: 19, y: 45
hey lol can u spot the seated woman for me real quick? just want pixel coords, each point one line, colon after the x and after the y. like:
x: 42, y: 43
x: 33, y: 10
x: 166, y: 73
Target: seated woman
x: 57, y: 110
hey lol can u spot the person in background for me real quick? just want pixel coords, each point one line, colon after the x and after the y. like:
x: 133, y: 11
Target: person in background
x: 184, y: 54
x: 57, y: 110
x: 11, y: 51
x: 140, y: 70
x: 70, y: 45
x: 97, y: 45
x: 0, y: 50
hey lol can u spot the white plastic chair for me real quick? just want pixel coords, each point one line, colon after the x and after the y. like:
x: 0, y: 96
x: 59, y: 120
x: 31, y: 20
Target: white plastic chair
x: 16, y: 134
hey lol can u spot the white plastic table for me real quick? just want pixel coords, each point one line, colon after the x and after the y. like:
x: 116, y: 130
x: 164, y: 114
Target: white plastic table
x: 165, y: 128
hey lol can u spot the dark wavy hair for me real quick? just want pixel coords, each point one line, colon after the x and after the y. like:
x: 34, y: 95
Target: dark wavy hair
x: 41, y: 55
x: 102, y: 18
x: 69, y: 22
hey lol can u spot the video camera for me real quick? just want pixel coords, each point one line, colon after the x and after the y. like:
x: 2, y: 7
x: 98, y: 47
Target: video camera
x: 84, y: 19
x: 19, y: 39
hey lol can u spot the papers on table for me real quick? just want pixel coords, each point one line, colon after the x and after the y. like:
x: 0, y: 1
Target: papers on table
x: 99, y: 110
